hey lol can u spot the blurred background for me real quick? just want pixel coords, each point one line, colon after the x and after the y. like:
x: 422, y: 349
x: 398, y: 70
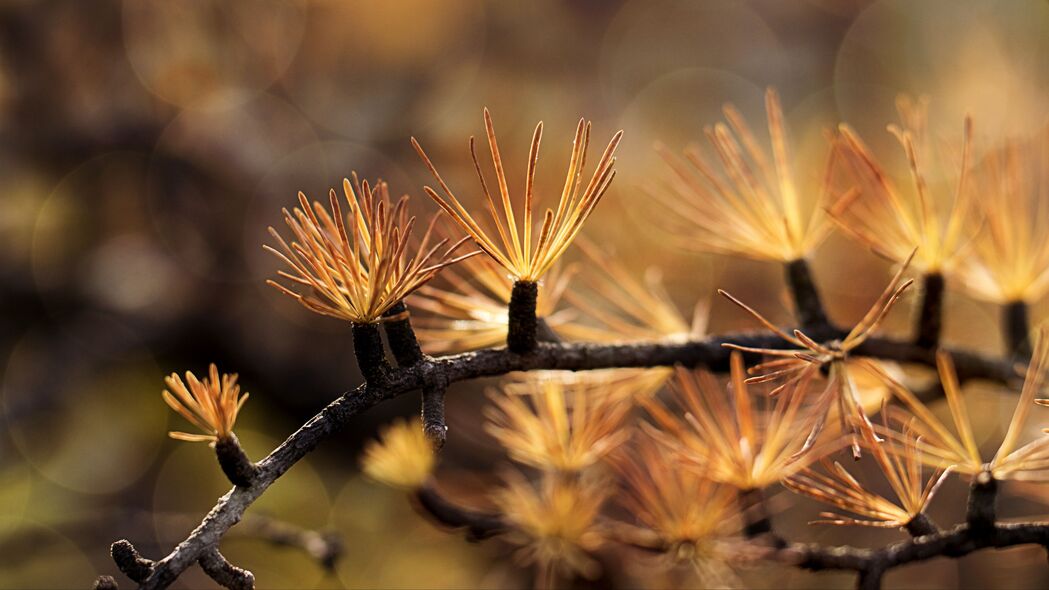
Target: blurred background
x: 145, y: 146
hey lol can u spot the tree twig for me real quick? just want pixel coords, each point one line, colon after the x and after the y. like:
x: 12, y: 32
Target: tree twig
x: 493, y: 362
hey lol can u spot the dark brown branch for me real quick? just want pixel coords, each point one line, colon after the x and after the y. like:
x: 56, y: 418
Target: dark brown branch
x: 870, y: 579
x: 921, y: 525
x: 523, y: 327
x: 478, y: 525
x: 978, y: 532
x: 234, y: 461
x: 956, y: 542
x: 371, y: 356
x: 806, y: 297
x: 930, y: 312
x: 325, y: 547
x: 1016, y: 328
x: 981, y: 510
x: 544, y: 333
x: 433, y: 415
x: 105, y: 583
x: 757, y: 522
x: 128, y: 561
x: 399, y: 333
x: 225, y: 573
x: 493, y: 362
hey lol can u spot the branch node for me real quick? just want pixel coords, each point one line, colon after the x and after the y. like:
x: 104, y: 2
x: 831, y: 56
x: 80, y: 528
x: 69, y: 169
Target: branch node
x: 921, y: 525
x: 397, y: 323
x: 235, y: 462
x: 371, y: 356
x: 544, y: 333
x: 433, y: 415
x: 870, y: 578
x: 105, y: 583
x: 930, y: 312
x: 225, y: 573
x: 522, y: 326
x: 980, y: 512
x: 1016, y: 327
x: 128, y: 561
x: 806, y: 297
x: 757, y: 522
x: 478, y: 525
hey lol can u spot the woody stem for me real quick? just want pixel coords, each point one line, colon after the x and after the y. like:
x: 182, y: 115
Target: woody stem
x: 523, y: 328
x: 806, y: 296
x: 1016, y: 326
x: 930, y: 314
x: 368, y: 348
x: 401, y: 336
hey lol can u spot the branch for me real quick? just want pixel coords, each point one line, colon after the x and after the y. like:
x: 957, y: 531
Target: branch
x: 806, y: 296
x: 479, y: 525
x: 225, y: 573
x: 1016, y: 328
x: 956, y: 542
x: 325, y: 547
x: 930, y: 312
x: 494, y: 362
x: 234, y: 461
x: 522, y: 326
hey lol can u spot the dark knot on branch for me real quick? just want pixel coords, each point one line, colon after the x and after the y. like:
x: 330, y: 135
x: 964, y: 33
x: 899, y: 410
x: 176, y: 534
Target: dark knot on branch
x: 234, y: 461
x: 478, y: 525
x: 225, y: 573
x: 397, y: 323
x: 130, y: 562
x: 1016, y: 328
x: 980, y: 512
x: 930, y: 313
x: 433, y: 415
x: 371, y: 356
x: 105, y: 583
x: 921, y: 525
x: 806, y: 297
x: 522, y: 327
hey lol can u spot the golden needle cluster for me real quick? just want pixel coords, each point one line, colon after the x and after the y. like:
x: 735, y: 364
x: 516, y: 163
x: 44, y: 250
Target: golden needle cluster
x: 939, y: 445
x: 557, y: 425
x: 1008, y: 260
x: 555, y: 523
x: 513, y: 247
x: 726, y: 437
x: 211, y: 404
x: 402, y: 457
x: 901, y: 463
x: 749, y: 203
x: 934, y: 219
x: 356, y: 268
x: 803, y: 363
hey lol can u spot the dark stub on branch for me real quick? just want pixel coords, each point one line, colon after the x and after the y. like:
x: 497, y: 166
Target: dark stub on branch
x: 1016, y: 329
x: 807, y: 300
x: 981, y: 512
x: 398, y: 325
x: 930, y: 314
x: 523, y: 328
x: 371, y: 356
x: 921, y: 525
x: 433, y: 416
x: 225, y: 573
x: 130, y: 562
x: 478, y: 525
x: 757, y: 522
x: 234, y: 461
